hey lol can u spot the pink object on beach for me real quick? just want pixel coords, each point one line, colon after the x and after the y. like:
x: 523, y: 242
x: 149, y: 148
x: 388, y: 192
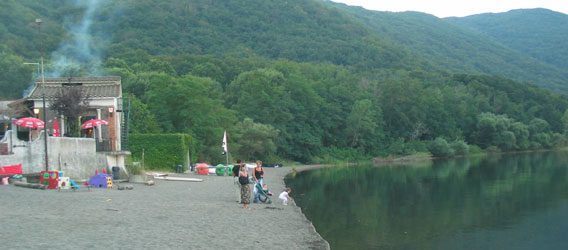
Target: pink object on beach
x: 5, y: 180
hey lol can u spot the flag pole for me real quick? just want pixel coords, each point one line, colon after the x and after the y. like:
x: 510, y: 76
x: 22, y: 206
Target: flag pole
x: 225, y: 147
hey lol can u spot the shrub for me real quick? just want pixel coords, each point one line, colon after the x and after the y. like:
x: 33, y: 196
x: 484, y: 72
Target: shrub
x: 474, y: 149
x: 492, y: 149
x: 162, y: 151
x: 440, y: 147
x: 459, y: 147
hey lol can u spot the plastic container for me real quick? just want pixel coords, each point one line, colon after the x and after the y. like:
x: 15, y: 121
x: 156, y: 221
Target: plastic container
x: 220, y: 171
x: 116, y: 173
x: 230, y: 169
x: 202, y: 169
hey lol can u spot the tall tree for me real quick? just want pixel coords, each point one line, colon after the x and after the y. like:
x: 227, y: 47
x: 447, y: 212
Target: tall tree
x: 71, y: 102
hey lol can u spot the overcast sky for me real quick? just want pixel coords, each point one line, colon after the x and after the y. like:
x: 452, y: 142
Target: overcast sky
x: 460, y: 8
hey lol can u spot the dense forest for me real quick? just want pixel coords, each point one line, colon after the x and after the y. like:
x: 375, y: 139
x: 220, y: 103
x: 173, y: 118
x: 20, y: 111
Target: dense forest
x: 539, y: 33
x: 309, y: 81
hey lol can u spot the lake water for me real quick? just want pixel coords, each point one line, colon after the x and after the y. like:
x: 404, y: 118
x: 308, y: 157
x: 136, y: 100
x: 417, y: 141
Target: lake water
x: 515, y: 201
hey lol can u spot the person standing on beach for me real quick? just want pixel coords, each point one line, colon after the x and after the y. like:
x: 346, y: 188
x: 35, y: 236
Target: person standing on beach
x: 236, y: 170
x: 258, y: 175
x: 245, y: 188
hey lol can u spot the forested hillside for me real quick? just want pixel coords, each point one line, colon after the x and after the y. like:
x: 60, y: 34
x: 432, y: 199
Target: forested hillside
x: 460, y: 50
x: 540, y: 33
x: 302, y: 80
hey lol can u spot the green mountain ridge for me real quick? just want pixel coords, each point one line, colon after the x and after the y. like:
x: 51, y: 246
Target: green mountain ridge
x: 302, y: 31
x: 456, y: 49
x: 540, y: 33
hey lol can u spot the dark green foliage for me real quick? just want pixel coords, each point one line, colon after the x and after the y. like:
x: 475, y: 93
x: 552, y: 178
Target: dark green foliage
x: 322, y: 82
x: 15, y: 77
x: 459, y: 147
x: 440, y: 147
x: 162, y: 151
x: 302, y: 31
x: 255, y: 141
x: 142, y: 121
x: 533, y: 40
x: 540, y: 33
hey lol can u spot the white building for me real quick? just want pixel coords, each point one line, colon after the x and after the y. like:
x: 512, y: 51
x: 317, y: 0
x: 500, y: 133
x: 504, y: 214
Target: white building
x: 78, y: 156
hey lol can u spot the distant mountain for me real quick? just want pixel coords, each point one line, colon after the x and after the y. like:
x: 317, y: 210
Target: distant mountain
x: 300, y: 30
x: 459, y: 49
x: 540, y: 33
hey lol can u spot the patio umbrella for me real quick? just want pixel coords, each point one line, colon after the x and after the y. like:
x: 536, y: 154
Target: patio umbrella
x: 30, y: 122
x: 93, y: 123
x: 56, y: 128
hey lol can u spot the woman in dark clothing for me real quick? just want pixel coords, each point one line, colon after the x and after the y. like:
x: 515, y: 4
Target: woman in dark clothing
x: 258, y: 175
x: 245, y: 188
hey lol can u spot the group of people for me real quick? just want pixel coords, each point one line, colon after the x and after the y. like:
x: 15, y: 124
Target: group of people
x: 241, y: 178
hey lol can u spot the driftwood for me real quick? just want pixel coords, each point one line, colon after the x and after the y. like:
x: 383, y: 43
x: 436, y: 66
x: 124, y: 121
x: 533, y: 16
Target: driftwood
x: 125, y: 187
x: 30, y: 185
x: 171, y: 178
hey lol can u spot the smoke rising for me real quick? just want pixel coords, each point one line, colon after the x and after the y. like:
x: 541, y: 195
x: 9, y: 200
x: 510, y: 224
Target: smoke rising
x: 79, y: 55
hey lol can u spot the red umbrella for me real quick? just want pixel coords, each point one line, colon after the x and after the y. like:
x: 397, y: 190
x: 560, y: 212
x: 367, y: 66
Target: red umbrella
x: 93, y: 123
x: 55, y: 128
x: 30, y: 122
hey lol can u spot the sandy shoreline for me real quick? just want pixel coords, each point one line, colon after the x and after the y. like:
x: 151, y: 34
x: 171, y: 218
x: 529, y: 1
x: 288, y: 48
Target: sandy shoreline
x: 170, y: 215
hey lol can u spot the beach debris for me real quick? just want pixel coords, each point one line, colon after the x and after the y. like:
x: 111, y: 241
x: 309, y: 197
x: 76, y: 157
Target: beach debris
x: 30, y: 185
x: 125, y: 187
x: 150, y: 183
x: 171, y: 178
x: 115, y: 210
x: 275, y: 208
x: 156, y: 174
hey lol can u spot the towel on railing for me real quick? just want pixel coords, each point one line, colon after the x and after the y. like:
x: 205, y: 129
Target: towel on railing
x: 10, y: 170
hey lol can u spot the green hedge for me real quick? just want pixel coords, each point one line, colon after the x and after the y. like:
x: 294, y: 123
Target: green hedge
x: 162, y: 151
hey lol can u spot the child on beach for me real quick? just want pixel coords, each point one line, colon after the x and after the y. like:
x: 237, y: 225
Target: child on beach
x: 285, y: 196
x: 265, y: 189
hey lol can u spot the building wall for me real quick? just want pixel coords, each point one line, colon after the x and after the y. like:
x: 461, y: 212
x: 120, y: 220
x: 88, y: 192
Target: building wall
x: 77, y: 157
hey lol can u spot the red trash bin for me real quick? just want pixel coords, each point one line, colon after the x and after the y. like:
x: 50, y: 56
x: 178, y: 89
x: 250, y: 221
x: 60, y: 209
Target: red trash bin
x: 202, y: 169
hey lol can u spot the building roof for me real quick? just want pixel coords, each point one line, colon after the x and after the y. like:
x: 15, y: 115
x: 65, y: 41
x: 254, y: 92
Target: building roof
x: 7, y: 111
x: 4, y: 105
x: 94, y: 87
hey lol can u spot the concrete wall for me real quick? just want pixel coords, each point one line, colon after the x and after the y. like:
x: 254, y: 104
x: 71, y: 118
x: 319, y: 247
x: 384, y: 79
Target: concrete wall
x: 76, y: 156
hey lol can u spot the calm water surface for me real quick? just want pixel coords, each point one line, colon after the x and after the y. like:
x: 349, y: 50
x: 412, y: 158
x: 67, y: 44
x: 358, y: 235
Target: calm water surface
x: 498, y: 202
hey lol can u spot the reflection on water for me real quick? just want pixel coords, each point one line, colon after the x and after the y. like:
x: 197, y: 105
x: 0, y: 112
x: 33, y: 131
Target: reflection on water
x: 497, y: 202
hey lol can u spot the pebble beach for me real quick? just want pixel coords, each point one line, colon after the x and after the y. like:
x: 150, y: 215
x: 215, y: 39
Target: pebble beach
x: 167, y: 215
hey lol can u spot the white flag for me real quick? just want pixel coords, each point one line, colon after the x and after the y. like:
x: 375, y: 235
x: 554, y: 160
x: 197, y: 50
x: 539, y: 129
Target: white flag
x: 225, y: 150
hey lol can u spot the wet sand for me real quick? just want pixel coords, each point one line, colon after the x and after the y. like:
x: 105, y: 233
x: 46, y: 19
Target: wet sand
x: 168, y: 215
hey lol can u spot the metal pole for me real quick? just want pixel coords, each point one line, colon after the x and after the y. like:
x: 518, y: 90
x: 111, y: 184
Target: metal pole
x: 45, y: 134
x: 38, y: 21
